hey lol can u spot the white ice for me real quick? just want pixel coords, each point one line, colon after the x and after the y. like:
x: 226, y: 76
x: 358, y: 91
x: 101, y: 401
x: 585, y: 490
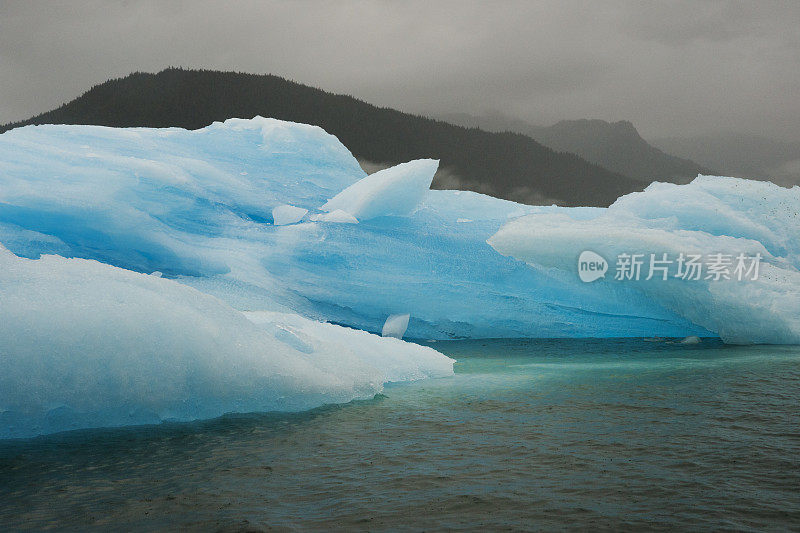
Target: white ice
x: 337, y: 216
x: 708, y: 216
x: 198, y: 207
x: 287, y: 214
x: 84, y: 344
x: 395, y: 326
x: 393, y: 191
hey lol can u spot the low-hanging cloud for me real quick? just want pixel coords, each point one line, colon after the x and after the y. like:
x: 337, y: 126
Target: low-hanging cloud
x: 671, y: 68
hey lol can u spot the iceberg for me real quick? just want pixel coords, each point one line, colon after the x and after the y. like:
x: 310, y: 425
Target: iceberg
x: 165, y: 274
x: 86, y: 344
x: 710, y: 217
x: 198, y: 205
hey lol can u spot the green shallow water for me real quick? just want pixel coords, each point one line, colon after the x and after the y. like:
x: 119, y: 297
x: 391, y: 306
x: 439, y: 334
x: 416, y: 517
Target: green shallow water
x: 529, y: 434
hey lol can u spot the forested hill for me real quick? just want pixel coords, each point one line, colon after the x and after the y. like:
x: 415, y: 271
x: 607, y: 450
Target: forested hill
x: 508, y: 165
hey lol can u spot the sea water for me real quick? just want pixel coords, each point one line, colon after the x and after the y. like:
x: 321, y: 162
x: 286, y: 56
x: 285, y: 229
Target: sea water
x: 528, y: 434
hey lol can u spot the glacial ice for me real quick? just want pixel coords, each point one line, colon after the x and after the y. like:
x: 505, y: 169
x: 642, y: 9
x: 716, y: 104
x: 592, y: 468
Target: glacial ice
x: 395, y: 359
x: 395, y: 326
x: 198, y: 207
x: 711, y: 215
x: 337, y: 215
x: 84, y: 344
x: 287, y: 214
x: 394, y: 191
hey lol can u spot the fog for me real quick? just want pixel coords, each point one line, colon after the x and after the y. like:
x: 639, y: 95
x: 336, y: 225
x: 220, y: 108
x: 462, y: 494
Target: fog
x: 672, y: 68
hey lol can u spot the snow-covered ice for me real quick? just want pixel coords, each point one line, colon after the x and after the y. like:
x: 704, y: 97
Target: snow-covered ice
x: 711, y: 215
x: 84, y: 344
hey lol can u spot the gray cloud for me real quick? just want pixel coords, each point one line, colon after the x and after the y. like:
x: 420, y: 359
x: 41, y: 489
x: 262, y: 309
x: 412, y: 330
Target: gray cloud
x: 671, y: 68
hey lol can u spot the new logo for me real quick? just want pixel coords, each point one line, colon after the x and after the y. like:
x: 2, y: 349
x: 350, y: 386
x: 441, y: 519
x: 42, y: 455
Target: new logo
x: 591, y: 266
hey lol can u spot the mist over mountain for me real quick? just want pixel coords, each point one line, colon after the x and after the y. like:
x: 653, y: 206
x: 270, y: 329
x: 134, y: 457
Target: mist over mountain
x: 616, y: 146
x: 743, y: 156
x: 508, y: 165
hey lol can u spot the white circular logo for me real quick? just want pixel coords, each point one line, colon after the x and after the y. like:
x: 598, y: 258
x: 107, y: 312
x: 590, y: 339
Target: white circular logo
x: 591, y: 266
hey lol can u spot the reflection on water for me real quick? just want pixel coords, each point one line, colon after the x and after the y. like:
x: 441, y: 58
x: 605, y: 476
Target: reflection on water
x: 535, y: 434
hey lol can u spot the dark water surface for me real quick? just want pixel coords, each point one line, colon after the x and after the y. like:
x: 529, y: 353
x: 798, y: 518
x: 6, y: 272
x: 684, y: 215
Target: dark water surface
x: 542, y: 434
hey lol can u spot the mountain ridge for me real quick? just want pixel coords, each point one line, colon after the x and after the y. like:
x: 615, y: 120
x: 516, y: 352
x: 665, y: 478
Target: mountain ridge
x: 617, y: 146
x: 508, y: 165
x: 741, y: 155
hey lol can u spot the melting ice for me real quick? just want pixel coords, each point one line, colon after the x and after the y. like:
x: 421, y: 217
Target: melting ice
x: 203, y: 265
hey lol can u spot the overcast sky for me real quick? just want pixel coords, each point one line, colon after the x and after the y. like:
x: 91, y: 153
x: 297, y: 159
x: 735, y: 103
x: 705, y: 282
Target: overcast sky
x: 672, y: 68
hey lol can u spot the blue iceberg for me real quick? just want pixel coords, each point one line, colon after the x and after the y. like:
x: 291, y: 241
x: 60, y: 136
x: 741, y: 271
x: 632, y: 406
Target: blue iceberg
x: 716, y: 218
x: 85, y: 344
x: 184, y: 274
x: 199, y: 206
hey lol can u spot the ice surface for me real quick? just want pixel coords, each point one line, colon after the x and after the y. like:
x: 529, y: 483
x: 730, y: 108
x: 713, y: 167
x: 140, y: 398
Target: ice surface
x: 708, y: 216
x: 393, y: 191
x: 150, y: 199
x: 337, y: 215
x: 287, y: 214
x: 84, y: 344
x: 395, y: 359
x: 197, y: 206
x: 395, y: 326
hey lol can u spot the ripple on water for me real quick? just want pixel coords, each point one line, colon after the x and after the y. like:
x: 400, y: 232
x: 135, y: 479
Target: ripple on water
x: 547, y: 434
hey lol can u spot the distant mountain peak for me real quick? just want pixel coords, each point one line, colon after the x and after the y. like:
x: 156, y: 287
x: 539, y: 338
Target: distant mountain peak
x: 597, y: 126
x: 613, y: 145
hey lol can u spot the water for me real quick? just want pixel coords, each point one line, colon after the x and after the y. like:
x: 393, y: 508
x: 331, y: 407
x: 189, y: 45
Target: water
x: 542, y: 434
